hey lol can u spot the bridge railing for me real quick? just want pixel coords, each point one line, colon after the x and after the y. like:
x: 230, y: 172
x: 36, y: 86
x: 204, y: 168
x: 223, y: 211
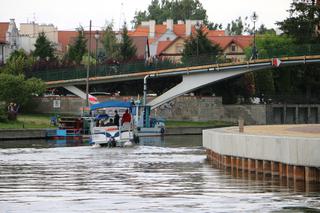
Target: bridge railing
x: 117, y: 69
x: 126, y: 68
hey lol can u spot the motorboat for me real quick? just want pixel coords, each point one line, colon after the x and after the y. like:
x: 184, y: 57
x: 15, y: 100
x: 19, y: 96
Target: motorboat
x: 111, y: 135
x: 145, y: 125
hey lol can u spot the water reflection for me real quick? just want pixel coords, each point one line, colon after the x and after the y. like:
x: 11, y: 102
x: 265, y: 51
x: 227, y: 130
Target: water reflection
x: 170, y: 175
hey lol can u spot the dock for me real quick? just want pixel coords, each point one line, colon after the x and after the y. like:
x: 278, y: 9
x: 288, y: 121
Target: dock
x: 286, y: 151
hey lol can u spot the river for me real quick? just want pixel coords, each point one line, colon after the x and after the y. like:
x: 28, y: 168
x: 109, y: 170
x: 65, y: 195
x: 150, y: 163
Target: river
x: 167, y: 175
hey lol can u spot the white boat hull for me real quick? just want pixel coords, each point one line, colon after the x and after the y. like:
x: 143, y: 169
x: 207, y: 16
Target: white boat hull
x: 111, y: 136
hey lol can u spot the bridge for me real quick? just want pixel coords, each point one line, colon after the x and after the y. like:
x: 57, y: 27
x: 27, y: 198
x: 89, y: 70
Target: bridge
x: 193, y: 77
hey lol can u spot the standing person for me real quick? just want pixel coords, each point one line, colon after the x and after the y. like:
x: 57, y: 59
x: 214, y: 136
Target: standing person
x: 116, y: 118
x: 126, y: 117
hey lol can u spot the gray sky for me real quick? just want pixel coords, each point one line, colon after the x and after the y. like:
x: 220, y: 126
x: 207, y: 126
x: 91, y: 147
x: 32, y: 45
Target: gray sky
x: 69, y: 14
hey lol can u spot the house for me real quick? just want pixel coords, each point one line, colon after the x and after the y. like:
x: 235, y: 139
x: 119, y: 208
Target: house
x: 167, y: 40
x: 9, y: 39
x: 29, y: 33
x: 66, y: 38
x: 233, y: 47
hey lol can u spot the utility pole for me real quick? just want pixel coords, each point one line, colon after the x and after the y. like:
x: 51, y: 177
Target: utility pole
x: 88, y: 67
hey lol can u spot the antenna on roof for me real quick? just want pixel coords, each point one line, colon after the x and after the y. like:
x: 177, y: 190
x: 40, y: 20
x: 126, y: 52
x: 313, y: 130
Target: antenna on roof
x: 34, y: 17
x: 122, y: 17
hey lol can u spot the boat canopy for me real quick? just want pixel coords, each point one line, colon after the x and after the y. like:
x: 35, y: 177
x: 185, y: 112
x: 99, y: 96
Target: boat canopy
x: 108, y: 104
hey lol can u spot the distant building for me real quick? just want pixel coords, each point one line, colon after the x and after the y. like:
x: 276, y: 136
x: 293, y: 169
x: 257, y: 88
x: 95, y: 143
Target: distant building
x: 29, y: 33
x: 9, y: 39
x: 167, y: 40
x: 66, y: 38
x: 233, y: 47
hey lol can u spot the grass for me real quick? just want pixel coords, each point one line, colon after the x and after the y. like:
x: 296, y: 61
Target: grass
x: 29, y: 121
x: 198, y: 123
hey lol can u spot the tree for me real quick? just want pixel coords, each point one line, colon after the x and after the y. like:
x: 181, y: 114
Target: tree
x: 19, y: 90
x: 127, y: 49
x: 303, y: 21
x: 236, y: 27
x: 44, y: 48
x: 263, y: 30
x: 176, y: 10
x: 270, y: 45
x: 78, y: 48
x: 18, y: 63
x: 199, y: 45
x: 110, y: 43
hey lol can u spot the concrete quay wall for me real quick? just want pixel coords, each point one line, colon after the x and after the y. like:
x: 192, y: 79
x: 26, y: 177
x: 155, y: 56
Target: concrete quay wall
x: 198, y: 109
x: 9, y: 134
x: 290, y: 157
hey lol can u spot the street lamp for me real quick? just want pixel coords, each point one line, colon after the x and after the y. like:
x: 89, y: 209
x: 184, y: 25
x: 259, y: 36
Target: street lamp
x: 254, y: 18
x: 97, y: 36
x: 197, y: 26
x: 88, y: 68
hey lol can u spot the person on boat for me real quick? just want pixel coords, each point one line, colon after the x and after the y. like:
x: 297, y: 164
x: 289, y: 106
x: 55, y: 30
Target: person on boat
x: 116, y: 118
x: 126, y: 117
x: 110, y: 122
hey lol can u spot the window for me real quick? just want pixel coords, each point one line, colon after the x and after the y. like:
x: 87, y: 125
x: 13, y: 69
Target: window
x: 233, y: 47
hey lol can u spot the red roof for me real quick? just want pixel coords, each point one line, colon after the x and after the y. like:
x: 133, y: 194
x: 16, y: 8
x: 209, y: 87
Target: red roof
x: 140, y: 43
x: 178, y: 29
x: 3, y: 30
x: 225, y: 41
x: 162, y: 46
x: 65, y: 38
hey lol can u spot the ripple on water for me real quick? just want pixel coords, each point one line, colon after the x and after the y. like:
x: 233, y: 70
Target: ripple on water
x: 137, y: 179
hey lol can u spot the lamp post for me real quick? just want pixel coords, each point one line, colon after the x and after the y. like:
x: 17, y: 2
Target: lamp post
x: 97, y: 36
x: 197, y: 26
x: 254, y: 18
x: 88, y: 67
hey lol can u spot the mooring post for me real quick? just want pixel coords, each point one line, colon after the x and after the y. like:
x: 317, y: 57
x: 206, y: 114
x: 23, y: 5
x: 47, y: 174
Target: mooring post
x: 241, y: 125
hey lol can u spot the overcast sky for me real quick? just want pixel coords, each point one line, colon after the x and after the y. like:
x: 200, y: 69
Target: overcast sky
x: 69, y: 14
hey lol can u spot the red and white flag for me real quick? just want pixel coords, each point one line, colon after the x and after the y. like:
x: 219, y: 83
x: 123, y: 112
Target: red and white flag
x: 92, y: 99
x: 276, y: 62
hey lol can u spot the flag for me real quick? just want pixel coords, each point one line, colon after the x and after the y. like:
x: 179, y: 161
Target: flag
x: 276, y: 62
x: 92, y: 99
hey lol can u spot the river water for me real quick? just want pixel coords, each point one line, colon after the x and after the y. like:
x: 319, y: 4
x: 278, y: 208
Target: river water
x: 167, y: 175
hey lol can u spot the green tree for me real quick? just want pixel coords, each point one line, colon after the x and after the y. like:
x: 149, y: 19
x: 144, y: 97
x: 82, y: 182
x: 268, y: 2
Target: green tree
x: 199, y: 45
x: 236, y: 27
x: 18, y: 63
x: 302, y: 22
x: 127, y: 49
x: 44, y: 49
x: 264, y: 30
x: 110, y: 43
x: 15, y: 88
x: 270, y: 45
x: 176, y: 10
x: 78, y: 48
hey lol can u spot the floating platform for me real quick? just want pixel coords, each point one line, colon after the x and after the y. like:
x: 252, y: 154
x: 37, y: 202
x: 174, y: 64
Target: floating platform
x: 287, y: 151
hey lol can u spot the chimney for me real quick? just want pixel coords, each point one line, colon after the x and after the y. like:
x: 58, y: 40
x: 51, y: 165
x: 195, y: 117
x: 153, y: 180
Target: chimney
x: 170, y: 24
x: 145, y: 23
x: 152, y: 28
x: 188, y: 27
